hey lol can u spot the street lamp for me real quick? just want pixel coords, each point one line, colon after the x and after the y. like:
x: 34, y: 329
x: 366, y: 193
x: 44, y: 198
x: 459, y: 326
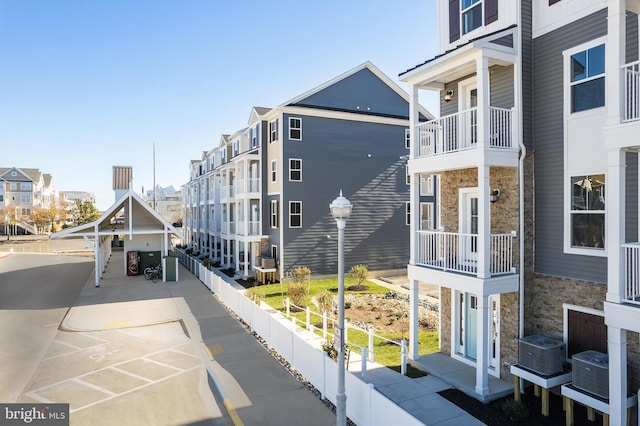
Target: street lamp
x: 341, y: 210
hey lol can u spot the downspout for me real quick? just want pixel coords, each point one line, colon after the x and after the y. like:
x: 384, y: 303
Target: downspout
x: 523, y: 154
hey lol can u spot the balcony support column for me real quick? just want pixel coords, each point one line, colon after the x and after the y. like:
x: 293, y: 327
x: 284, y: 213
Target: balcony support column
x: 414, y: 185
x: 482, y: 350
x: 617, y: 348
x: 615, y: 58
x: 414, y: 295
x: 615, y: 225
x: 484, y: 223
x: 482, y: 72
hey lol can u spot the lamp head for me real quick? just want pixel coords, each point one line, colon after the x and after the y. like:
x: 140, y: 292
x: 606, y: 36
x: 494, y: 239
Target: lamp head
x: 340, y: 208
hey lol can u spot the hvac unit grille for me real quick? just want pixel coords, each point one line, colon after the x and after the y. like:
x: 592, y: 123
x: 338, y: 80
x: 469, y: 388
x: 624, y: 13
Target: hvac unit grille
x: 591, y: 372
x: 541, y: 354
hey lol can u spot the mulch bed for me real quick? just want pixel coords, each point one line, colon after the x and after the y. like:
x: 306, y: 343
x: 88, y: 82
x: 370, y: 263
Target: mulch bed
x: 493, y: 415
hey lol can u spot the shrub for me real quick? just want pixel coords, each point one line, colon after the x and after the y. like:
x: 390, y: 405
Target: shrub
x: 327, y: 346
x: 189, y: 251
x: 256, y: 294
x: 302, y: 274
x: 297, y: 292
x: 516, y: 411
x: 324, y: 301
x: 359, y: 273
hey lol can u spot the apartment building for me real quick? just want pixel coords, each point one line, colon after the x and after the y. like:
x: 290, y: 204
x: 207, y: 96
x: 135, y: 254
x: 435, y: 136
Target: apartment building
x: 539, y: 110
x: 261, y: 197
x: 23, y: 190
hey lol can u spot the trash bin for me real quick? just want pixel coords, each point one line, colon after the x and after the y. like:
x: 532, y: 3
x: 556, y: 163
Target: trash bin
x: 170, y: 268
x: 149, y: 258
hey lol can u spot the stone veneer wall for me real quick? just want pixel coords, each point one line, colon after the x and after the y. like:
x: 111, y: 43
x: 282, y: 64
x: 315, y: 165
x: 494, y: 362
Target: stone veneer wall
x: 504, y: 219
x: 544, y: 299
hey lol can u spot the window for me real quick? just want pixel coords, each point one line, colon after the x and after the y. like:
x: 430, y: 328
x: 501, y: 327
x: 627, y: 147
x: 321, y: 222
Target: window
x: 25, y: 212
x: 14, y: 186
x: 295, y: 128
x: 25, y: 186
x: 587, y: 79
x: 254, y: 137
x: 426, y: 185
x: 274, y: 171
x: 587, y: 211
x: 295, y: 214
x: 25, y: 198
x: 407, y: 138
x: 407, y: 207
x: 471, y: 15
x: 274, y: 214
x: 407, y: 175
x: 273, y: 130
x: 426, y: 216
x: 295, y: 170
x: 1, y: 198
x: 236, y: 147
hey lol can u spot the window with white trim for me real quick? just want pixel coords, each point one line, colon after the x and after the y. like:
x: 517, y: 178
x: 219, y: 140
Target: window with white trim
x: 408, y: 176
x: 295, y: 214
x: 254, y: 137
x: 295, y: 170
x: 587, y: 84
x: 274, y: 214
x: 471, y: 15
x: 587, y: 215
x: 14, y: 186
x: 274, y: 170
x: 295, y: 128
x: 273, y: 130
x: 25, y: 186
x: 426, y: 185
x: 427, y: 216
x: 25, y: 198
x: 407, y: 208
x: 407, y: 138
x: 236, y: 147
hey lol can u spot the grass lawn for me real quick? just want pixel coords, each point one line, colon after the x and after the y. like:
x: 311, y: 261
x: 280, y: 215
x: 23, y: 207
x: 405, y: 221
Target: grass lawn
x: 386, y: 353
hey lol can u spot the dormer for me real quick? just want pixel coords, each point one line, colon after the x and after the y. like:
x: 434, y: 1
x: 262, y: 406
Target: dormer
x: 466, y: 20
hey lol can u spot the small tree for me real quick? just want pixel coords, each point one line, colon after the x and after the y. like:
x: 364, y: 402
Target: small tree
x: 300, y: 284
x: 324, y: 301
x: 359, y: 274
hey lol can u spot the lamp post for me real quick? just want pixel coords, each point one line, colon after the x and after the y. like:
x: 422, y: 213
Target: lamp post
x: 341, y: 210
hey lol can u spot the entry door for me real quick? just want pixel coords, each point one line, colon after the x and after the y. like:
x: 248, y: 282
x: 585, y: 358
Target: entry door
x: 471, y: 326
x: 469, y: 216
x: 468, y: 103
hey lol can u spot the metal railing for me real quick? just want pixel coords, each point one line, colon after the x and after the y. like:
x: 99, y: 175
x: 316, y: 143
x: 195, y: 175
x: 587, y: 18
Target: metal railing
x: 632, y: 272
x: 631, y: 106
x: 459, y: 131
x: 457, y: 252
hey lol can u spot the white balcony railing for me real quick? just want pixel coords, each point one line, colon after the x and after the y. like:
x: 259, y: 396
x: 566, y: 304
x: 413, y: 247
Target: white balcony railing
x: 249, y: 228
x: 632, y: 272
x: 449, y: 251
x: 458, y: 132
x: 631, y: 76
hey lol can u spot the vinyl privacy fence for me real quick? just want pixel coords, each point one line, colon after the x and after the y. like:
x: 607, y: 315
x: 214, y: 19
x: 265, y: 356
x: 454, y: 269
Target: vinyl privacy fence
x: 365, y: 405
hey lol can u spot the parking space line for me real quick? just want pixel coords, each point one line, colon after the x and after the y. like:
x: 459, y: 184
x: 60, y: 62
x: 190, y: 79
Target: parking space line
x: 92, y: 386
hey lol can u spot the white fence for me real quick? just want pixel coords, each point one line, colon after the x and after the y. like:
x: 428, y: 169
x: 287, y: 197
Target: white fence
x: 365, y: 405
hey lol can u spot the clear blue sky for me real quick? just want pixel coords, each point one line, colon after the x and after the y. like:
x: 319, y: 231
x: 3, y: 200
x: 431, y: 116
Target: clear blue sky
x: 85, y: 85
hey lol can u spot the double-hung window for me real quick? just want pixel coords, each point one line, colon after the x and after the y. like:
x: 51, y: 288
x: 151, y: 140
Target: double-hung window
x: 273, y: 130
x: 274, y: 171
x: 254, y: 137
x: 25, y: 186
x: 407, y: 138
x: 295, y: 128
x: 25, y: 198
x: 586, y: 70
x: 295, y: 214
x: 587, y: 211
x: 274, y: 214
x: 295, y: 170
x: 471, y: 15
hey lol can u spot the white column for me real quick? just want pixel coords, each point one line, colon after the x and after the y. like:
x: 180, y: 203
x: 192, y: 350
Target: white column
x: 414, y: 294
x: 615, y: 224
x: 414, y: 186
x: 617, y: 347
x: 482, y: 350
x: 484, y: 223
x: 614, y: 59
x: 482, y: 78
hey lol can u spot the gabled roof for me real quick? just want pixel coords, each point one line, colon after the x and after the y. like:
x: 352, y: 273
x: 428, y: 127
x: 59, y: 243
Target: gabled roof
x: 344, y: 95
x: 33, y: 175
x: 104, y: 225
x: 256, y: 114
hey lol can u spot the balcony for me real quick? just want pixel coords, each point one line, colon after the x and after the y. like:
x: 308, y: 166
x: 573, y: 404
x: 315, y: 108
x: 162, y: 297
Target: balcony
x: 253, y: 186
x: 632, y: 273
x: 631, y: 95
x: 458, y: 132
x: 456, y: 252
x: 250, y: 228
